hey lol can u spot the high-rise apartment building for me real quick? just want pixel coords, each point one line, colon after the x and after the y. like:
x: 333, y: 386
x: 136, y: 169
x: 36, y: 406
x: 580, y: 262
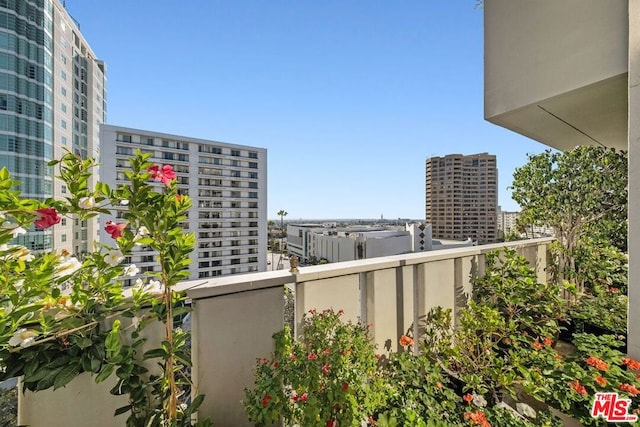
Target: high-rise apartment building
x: 52, y: 98
x: 462, y: 197
x: 228, y: 187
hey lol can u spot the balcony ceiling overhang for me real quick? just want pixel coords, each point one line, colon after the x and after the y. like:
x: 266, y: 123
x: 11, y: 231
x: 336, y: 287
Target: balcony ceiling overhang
x: 595, y: 114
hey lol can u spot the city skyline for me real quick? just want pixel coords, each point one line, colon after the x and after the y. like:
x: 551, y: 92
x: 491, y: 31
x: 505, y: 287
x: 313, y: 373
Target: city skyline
x: 348, y: 99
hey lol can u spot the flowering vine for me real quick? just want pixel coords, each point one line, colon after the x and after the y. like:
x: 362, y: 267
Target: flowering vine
x: 61, y: 315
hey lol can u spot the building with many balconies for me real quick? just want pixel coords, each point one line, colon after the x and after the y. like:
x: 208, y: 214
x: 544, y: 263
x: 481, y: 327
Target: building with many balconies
x: 462, y: 197
x: 227, y: 185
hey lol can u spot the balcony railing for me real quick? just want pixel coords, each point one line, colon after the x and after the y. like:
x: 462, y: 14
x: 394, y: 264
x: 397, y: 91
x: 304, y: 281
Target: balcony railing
x: 235, y: 317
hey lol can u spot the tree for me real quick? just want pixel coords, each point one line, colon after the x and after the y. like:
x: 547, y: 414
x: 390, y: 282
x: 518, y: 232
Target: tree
x: 281, y: 213
x: 575, y: 192
x: 270, y: 225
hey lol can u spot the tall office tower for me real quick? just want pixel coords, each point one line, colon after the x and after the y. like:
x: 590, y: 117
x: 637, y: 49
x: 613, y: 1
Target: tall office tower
x: 52, y: 98
x: 462, y: 197
x: 228, y: 187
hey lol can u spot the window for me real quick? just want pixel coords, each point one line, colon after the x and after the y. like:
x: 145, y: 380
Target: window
x: 63, y: 124
x: 235, y: 153
x: 124, y: 138
x: 64, y: 221
x: 63, y: 238
x: 63, y: 107
x: 63, y: 75
x: 63, y: 91
x: 63, y: 189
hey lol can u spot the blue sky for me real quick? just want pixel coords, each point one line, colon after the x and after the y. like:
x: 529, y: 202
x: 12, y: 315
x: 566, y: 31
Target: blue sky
x: 348, y: 96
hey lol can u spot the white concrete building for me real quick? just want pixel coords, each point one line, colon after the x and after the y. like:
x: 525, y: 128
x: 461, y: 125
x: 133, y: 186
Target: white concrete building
x: 316, y: 242
x: 228, y: 185
x: 52, y: 99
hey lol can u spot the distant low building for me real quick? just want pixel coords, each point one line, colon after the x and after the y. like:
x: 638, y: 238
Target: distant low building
x: 315, y: 242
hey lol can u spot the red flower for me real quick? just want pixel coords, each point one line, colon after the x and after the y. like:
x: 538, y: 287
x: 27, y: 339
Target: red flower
x: 345, y: 386
x: 325, y: 368
x: 275, y: 364
x: 303, y: 397
x: 312, y: 356
x: 178, y: 197
x: 340, y: 312
x: 265, y: 400
x: 548, y: 342
x: 406, y: 341
x: 536, y: 344
x: 330, y: 423
x: 48, y: 217
x: 578, y: 388
x: 293, y: 357
x: 634, y: 365
x: 632, y: 390
x: 467, y: 398
x: 164, y: 174
x: 600, y: 380
x: 326, y: 352
x: 115, y: 230
x: 614, y: 290
x: 597, y: 363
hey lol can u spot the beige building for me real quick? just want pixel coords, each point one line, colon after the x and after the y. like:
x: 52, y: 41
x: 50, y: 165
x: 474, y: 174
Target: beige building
x: 52, y: 99
x: 567, y: 73
x: 462, y: 197
x: 228, y: 187
x: 507, y: 221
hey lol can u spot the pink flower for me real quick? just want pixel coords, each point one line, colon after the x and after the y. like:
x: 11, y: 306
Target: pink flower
x: 115, y: 230
x: 325, y: 368
x: 48, y: 217
x: 312, y: 356
x: 164, y: 174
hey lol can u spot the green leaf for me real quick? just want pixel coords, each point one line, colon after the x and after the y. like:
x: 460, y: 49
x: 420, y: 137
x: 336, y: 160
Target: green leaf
x: 122, y: 410
x: 67, y: 373
x: 105, y: 373
x: 156, y: 352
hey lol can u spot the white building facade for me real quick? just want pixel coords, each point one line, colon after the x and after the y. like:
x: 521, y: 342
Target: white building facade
x: 228, y: 187
x: 315, y: 242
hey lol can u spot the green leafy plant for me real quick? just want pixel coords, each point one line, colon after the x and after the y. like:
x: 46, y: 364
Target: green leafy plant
x: 606, y: 309
x: 60, y: 316
x: 511, y: 286
x: 327, y: 376
x: 578, y: 193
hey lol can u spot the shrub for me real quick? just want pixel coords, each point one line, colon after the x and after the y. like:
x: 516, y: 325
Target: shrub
x: 328, y: 376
